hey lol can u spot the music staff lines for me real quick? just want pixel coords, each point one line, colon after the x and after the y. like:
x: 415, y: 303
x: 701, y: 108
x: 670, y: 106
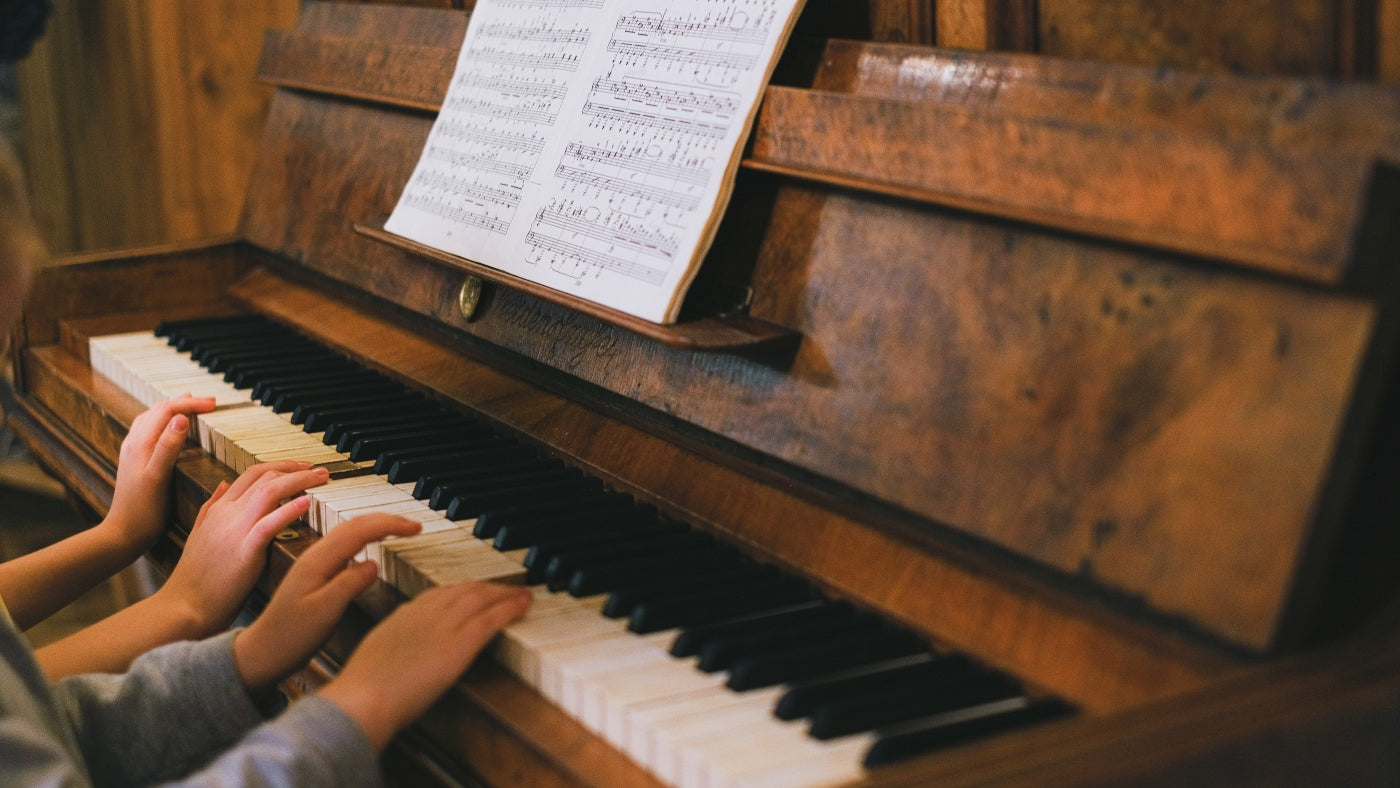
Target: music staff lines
x: 491, y: 109
x: 585, y: 256
x: 719, y: 30
x: 642, y: 119
x: 514, y: 87
x: 655, y: 194
x: 554, y: 61
x: 739, y: 61
x: 696, y: 176
x: 455, y: 129
x: 639, y: 240
x: 462, y: 216
x: 720, y: 105
x: 506, y: 198
x: 542, y: 33
x: 457, y: 159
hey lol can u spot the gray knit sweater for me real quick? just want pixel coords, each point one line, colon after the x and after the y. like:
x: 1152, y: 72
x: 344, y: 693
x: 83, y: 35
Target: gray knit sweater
x: 180, y: 715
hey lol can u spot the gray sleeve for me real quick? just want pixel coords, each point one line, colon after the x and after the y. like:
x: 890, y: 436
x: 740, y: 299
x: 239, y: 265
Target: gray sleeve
x: 181, y: 705
x: 312, y: 743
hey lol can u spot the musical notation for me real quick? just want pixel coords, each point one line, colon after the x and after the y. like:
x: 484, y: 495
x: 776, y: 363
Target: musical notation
x: 617, y: 230
x: 602, y: 135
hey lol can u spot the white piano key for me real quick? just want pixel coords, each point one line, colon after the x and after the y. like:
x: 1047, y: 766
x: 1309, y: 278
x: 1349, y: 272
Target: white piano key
x: 672, y: 679
x: 552, y: 625
x: 682, y: 724
x: 570, y: 674
x: 675, y: 744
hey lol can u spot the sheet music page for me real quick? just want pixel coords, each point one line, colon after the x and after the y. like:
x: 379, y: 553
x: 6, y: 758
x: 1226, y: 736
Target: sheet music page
x: 591, y: 145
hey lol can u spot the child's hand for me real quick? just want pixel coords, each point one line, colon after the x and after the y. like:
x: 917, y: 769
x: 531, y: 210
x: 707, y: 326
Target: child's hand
x: 418, y: 651
x: 141, y: 503
x: 227, y: 547
x: 311, y: 599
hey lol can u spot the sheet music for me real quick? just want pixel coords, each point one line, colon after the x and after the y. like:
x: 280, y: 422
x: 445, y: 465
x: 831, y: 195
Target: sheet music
x: 591, y: 145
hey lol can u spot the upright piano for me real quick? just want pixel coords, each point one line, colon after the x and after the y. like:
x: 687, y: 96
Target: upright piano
x: 1078, y: 377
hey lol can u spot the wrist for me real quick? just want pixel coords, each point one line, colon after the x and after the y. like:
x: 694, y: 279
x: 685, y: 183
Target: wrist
x: 186, y: 620
x: 123, y: 539
x: 365, y: 706
x: 257, y: 666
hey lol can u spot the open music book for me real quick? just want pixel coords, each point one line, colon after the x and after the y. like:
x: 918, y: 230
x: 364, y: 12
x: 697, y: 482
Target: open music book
x: 591, y: 145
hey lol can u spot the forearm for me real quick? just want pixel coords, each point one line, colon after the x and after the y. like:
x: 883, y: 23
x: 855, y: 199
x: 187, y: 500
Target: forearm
x: 110, y: 645
x: 39, y: 584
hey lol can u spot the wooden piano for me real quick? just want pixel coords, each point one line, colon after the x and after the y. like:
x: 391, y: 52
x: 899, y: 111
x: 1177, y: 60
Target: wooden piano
x: 1084, y: 372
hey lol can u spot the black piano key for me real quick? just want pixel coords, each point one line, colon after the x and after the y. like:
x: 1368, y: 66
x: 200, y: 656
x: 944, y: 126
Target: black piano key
x: 691, y: 639
x: 335, y: 430
x: 489, y: 523
x: 497, y: 458
x: 722, y: 652
x: 251, y: 375
x: 466, y: 507
x: 187, y: 341
x: 285, y: 397
x: 622, y: 602
x: 301, y: 401
x: 370, y: 446
x: 803, y: 662
x: 225, y: 352
x: 407, y: 401
x: 410, y: 431
x: 489, y: 478
x: 539, y: 557
x: 317, y: 422
x: 440, y: 456
x: 203, y: 328
x: 600, y: 578
x: 222, y: 353
x: 227, y: 322
x: 717, y: 605
x: 263, y: 379
x: 506, y: 460
x: 342, y: 400
x: 959, y: 727
x: 564, y: 563
x: 915, y: 700
x: 803, y: 697
x: 524, y: 534
x: 218, y: 358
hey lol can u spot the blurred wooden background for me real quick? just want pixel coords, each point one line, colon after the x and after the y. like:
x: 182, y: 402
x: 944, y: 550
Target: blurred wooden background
x: 140, y: 117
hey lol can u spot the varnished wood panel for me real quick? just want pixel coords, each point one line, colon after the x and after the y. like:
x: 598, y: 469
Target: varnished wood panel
x: 902, y: 21
x: 1226, y: 197
x: 119, y: 282
x: 1388, y: 42
x: 141, y: 118
x: 995, y: 25
x: 1298, y: 37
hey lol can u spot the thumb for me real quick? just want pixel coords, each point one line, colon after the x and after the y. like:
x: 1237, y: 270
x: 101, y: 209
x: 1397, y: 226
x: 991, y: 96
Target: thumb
x: 169, y: 445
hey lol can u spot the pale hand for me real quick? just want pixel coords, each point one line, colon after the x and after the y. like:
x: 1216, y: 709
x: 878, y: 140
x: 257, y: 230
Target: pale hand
x: 416, y: 653
x: 145, y: 465
x: 227, y: 547
x: 311, y: 599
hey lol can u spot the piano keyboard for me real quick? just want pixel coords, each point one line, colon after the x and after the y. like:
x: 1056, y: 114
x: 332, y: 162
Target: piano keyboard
x: 703, y: 666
